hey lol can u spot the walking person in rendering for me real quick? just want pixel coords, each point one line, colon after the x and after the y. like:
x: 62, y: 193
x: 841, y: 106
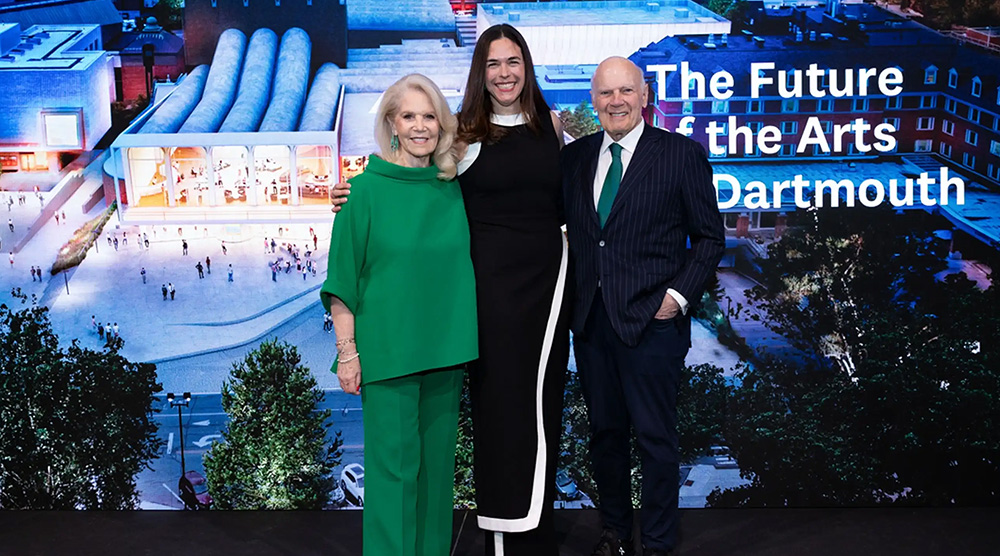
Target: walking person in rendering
x: 413, y: 276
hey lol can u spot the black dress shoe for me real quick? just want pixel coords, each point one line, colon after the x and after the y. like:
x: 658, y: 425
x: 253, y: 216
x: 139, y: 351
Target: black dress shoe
x: 657, y: 552
x: 611, y: 545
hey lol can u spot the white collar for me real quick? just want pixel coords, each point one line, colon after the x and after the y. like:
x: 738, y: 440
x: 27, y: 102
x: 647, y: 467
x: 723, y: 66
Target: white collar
x: 629, y: 142
x: 507, y: 120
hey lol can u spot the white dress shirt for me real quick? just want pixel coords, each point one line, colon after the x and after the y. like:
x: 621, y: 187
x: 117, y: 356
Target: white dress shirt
x: 628, y: 144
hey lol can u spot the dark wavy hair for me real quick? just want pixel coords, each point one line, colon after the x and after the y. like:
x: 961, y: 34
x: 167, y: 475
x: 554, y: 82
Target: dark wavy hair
x: 474, y: 123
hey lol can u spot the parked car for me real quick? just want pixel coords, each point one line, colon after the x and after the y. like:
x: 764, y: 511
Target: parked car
x: 722, y: 459
x: 565, y: 486
x: 352, y: 481
x: 337, y: 497
x: 718, y: 451
x: 194, y: 491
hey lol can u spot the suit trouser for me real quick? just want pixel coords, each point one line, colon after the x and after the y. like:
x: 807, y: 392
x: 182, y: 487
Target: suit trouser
x: 411, y: 429
x: 634, y: 387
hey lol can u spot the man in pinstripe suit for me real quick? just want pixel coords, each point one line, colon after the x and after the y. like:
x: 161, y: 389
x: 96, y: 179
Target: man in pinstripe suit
x: 635, y: 196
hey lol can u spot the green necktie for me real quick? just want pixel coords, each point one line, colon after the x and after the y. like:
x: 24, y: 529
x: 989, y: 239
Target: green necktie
x: 611, y: 183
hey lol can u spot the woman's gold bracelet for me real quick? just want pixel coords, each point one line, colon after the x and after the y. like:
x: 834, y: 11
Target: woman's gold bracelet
x: 343, y: 343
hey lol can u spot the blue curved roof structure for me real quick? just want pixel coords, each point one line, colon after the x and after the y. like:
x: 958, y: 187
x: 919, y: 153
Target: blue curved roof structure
x: 170, y: 115
x: 255, y: 83
x: 321, y: 106
x: 291, y: 79
x: 220, y: 89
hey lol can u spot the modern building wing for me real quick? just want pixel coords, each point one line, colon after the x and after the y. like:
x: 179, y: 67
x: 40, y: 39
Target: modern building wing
x: 371, y: 23
x: 588, y: 32
x: 56, y: 86
x: 402, y: 15
x: 225, y: 145
x: 65, y: 12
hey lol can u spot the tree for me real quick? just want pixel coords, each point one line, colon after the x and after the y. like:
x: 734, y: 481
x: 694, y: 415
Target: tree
x: 574, y: 443
x: 580, y: 122
x: 169, y: 13
x: 894, y: 400
x: 734, y: 10
x: 75, y: 425
x: 274, y: 453
x: 124, y: 111
x: 702, y: 406
x: 943, y: 14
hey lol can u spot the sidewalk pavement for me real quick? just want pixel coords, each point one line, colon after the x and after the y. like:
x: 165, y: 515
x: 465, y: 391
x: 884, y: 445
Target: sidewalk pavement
x: 41, y: 250
x: 23, y: 217
x: 15, y: 184
x: 27, y: 181
x: 207, y: 313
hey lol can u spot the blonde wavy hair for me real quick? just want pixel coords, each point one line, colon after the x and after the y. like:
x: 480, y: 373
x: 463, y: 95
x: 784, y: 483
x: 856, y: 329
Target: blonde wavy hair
x: 444, y: 156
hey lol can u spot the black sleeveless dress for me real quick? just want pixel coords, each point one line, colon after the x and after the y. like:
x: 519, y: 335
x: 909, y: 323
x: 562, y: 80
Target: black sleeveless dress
x: 513, y: 198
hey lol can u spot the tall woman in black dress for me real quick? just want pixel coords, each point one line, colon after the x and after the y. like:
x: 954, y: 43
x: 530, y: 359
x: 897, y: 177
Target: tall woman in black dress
x: 511, y: 184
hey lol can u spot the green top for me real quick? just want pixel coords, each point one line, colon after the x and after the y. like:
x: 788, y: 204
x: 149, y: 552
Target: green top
x: 400, y: 260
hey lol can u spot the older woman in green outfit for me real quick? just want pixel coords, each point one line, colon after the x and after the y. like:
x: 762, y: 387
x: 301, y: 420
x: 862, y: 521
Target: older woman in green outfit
x: 401, y: 290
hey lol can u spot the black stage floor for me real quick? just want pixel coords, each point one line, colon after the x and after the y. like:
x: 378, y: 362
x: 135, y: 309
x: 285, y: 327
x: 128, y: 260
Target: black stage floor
x: 744, y: 532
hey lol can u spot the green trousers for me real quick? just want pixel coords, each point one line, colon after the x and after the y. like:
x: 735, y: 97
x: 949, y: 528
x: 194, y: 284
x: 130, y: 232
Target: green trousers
x: 411, y: 428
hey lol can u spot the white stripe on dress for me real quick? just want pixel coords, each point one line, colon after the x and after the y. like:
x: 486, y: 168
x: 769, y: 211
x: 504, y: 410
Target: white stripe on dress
x: 530, y: 521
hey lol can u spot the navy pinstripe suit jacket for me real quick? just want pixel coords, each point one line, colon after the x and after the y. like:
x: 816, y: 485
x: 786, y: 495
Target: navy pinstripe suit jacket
x: 666, y: 198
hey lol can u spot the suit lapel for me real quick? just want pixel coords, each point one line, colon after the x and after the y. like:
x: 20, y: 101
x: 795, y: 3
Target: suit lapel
x: 638, y: 167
